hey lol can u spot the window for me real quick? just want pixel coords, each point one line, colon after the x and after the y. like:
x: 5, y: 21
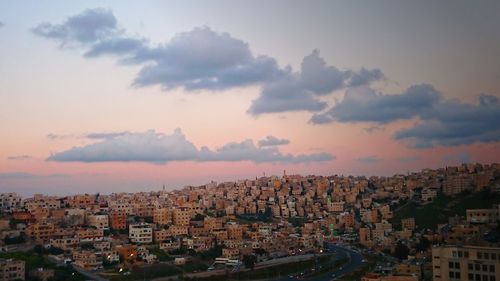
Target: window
x: 477, y: 266
x: 492, y: 268
x: 479, y: 255
x: 466, y: 254
x: 485, y: 267
x: 493, y: 256
x: 485, y: 277
x: 471, y: 277
x: 450, y: 264
x: 486, y: 256
x: 470, y: 266
x: 460, y: 254
x: 492, y: 278
x: 457, y: 265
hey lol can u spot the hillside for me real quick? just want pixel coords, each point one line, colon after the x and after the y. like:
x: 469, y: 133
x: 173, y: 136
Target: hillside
x: 443, y: 207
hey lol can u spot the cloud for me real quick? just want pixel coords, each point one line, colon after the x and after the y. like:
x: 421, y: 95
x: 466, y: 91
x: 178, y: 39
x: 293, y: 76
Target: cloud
x: 88, y: 27
x: 285, y: 95
x: 300, y: 91
x: 272, y: 141
x: 373, y: 129
x: 363, y: 104
x: 460, y: 157
x: 160, y: 148
x: 452, y: 123
x: 203, y: 59
x: 19, y: 157
x: 109, y: 135
x: 365, y: 77
x: 52, y: 136
x: 369, y: 159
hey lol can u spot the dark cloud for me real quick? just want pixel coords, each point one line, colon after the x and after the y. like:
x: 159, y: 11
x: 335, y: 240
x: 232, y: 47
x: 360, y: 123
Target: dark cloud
x: 369, y: 159
x: 452, y: 123
x: 88, y: 27
x: 19, y: 157
x: 365, y: 77
x: 285, y: 95
x: 156, y: 147
x: 300, y: 91
x: 202, y: 59
x: 272, y: 141
x: 363, y: 104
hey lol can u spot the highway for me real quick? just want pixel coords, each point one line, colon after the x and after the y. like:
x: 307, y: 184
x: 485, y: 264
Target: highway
x: 355, y: 262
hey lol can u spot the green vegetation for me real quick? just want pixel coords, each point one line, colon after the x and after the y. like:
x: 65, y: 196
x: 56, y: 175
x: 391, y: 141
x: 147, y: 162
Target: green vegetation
x: 14, y: 240
x: 34, y: 261
x: 161, y: 254
x: 210, y: 254
x: 443, y: 207
x: 297, y: 221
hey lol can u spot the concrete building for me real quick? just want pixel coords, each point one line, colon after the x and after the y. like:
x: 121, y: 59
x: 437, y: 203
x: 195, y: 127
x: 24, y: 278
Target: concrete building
x: 466, y: 263
x: 141, y: 233
x: 11, y: 269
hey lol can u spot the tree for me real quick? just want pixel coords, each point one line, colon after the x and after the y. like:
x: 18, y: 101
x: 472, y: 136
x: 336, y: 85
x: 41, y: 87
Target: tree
x: 423, y: 244
x: 249, y: 261
x: 401, y: 251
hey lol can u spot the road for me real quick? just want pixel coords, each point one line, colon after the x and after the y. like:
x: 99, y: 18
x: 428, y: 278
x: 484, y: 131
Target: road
x: 355, y: 261
x: 89, y: 274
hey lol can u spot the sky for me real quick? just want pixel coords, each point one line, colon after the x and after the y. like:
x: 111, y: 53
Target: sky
x: 110, y: 96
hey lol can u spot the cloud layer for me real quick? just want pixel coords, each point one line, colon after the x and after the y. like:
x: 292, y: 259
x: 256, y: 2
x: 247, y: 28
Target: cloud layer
x: 203, y: 59
x: 441, y: 122
x: 160, y: 148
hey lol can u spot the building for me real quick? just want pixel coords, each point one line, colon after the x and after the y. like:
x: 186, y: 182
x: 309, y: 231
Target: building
x: 483, y: 215
x: 118, y: 220
x: 11, y: 269
x: 98, y: 221
x: 408, y: 223
x: 465, y: 263
x: 181, y: 216
x: 141, y: 233
x: 42, y: 274
x: 162, y: 216
x: 86, y: 260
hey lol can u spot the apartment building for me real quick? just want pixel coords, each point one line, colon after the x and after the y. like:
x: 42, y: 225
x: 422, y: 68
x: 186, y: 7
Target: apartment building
x: 466, y: 263
x: 98, y: 221
x: 141, y: 233
x: 11, y: 269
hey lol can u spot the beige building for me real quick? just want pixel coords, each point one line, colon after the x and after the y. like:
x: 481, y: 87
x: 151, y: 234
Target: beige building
x: 11, y: 269
x: 141, y: 233
x: 466, y: 263
x: 162, y: 216
x: 483, y: 215
x: 181, y: 216
x: 98, y: 221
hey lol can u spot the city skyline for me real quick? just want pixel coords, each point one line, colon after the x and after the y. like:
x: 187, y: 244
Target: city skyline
x: 110, y: 96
